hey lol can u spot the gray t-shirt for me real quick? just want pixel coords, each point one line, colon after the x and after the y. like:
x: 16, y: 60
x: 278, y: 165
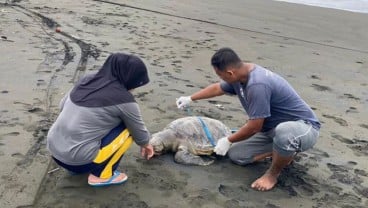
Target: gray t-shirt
x: 76, y: 135
x: 269, y: 96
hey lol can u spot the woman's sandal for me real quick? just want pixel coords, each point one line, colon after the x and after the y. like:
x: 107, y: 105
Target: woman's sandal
x: 110, y: 181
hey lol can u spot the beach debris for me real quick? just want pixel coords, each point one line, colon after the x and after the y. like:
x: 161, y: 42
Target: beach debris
x: 189, y: 138
x: 58, y: 29
x: 4, y: 37
x: 219, y: 106
x: 53, y: 170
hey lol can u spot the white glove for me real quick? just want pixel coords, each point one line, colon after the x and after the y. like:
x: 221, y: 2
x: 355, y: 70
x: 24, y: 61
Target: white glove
x: 183, y: 102
x: 223, y: 145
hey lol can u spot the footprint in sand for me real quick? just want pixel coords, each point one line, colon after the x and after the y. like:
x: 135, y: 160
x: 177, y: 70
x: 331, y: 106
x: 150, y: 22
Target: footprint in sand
x: 342, y: 139
x: 218, y: 102
x: 163, y: 85
x: 314, y: 108
x: 175, y: 90
x: 200, y: 197
x: 350, y: 96
x: 17, y: 155
x: 41, y: 82
x: 35, y: 110
x: 340, y: 121
x: 12, y: 134
x: 128, y: 200
x: 232, y: 192
x: 359, y: 146
x: 352, y: 110
x: 232, y: 203
x: 176, y: 78
x: 352, y: 163
x: 166, y: 182
x: 361, y: 172
x: 361, y: 190
x: 315, y: 77
x: 344, y: 175
x: 321, y: 87
x: 142, y: 94
x: 296, y: 181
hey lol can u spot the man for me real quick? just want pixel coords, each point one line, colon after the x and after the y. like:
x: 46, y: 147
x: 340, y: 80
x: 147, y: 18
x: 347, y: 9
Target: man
x: 280, y: 123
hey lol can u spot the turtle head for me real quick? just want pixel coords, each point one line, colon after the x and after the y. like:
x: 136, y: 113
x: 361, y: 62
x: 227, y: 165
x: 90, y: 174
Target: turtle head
x: 157, y: 144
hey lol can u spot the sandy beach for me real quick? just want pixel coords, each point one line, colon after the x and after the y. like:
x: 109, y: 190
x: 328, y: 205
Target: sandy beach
x: 322, y: 52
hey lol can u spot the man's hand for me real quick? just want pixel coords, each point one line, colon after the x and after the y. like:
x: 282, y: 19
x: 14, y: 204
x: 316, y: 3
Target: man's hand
x: 223, y: 145
x: 183, y: 102
x: 147, y: 151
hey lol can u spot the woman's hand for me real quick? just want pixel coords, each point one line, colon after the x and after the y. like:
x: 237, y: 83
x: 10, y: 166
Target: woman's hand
x: 147, y: 151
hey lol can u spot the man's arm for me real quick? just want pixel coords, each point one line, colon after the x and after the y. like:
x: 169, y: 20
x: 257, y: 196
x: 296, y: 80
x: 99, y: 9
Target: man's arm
x: 249, y: 129
x: 210, y: 91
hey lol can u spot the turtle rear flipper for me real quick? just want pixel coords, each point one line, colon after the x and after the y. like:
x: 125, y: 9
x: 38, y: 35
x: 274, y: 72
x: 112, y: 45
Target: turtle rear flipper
x: 183, y: 156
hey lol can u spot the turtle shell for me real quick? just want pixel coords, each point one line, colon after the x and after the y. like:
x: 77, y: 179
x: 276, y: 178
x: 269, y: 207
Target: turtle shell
x: 191, y: 132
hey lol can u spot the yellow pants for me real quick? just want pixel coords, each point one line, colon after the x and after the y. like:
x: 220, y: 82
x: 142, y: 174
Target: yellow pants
x: 109, y: 156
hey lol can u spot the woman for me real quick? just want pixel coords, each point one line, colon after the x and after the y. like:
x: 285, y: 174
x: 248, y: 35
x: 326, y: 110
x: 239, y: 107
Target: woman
x: 99, y: 120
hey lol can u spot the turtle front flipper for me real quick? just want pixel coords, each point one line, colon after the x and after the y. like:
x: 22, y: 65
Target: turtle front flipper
x: 183, y: 156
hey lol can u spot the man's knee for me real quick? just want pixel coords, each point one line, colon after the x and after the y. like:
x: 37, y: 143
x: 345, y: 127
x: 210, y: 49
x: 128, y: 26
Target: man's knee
x: 240, y: 158
x: 291, y: 138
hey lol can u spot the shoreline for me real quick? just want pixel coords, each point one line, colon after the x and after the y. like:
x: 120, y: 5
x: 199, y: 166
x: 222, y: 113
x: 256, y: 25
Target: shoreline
x: 346, y: 6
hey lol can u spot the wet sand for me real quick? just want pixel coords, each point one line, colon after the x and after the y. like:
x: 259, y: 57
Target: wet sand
x: 321, y: 52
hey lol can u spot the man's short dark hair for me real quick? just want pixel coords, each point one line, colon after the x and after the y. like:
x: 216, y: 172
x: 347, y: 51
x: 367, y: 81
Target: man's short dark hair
x: 224, y: 58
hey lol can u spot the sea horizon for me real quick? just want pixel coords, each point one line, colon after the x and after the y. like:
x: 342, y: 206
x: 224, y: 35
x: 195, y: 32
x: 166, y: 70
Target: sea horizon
x: 360, y: 6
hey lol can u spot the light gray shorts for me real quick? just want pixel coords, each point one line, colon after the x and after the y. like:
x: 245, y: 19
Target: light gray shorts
x: 286, y: 139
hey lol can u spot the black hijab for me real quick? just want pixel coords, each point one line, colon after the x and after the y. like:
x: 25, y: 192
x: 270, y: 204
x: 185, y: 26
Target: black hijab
x: 109, y: 86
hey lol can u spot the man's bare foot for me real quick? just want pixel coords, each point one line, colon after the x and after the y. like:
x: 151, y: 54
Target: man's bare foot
x: 266, y: 182
x: 95, y: 179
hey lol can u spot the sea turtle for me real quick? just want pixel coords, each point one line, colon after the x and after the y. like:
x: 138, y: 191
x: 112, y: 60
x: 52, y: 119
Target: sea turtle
x: 190, y: 137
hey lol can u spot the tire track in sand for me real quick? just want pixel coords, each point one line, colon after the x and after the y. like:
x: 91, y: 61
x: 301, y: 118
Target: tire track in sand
x: 48, y: 26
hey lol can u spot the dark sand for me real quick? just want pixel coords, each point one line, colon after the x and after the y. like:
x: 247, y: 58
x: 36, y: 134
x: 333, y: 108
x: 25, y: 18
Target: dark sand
x: 322, y: 52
